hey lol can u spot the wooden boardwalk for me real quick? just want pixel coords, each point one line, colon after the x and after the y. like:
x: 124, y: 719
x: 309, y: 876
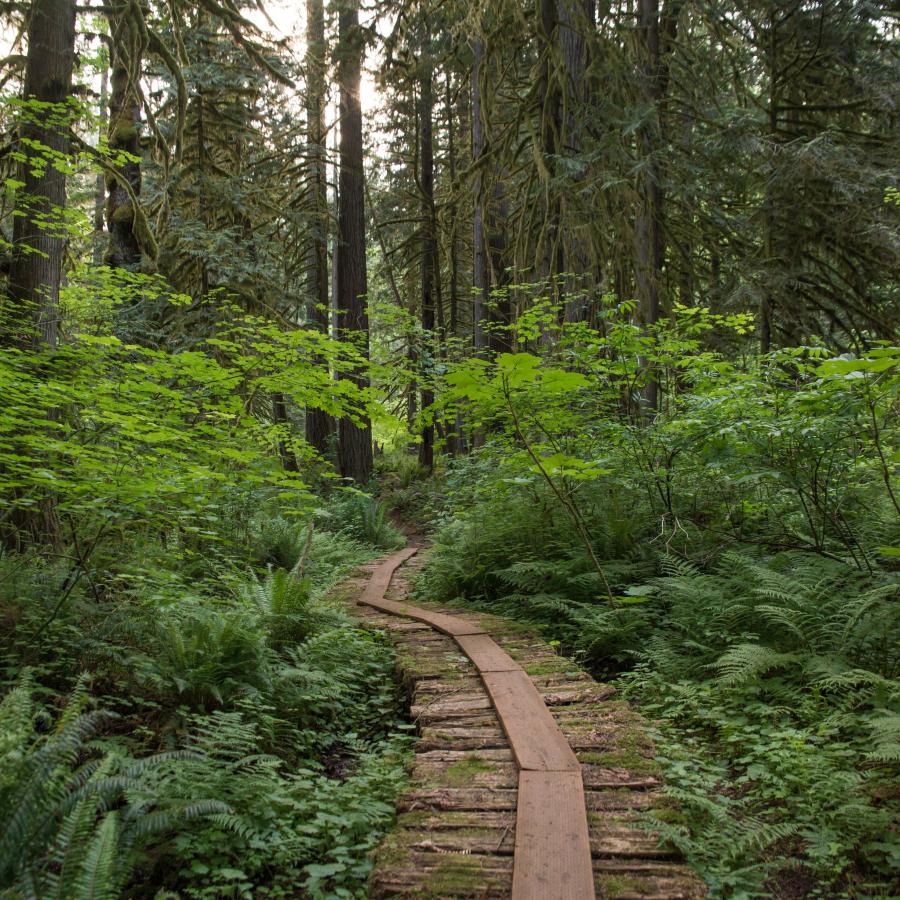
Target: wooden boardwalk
x: 530, y: 778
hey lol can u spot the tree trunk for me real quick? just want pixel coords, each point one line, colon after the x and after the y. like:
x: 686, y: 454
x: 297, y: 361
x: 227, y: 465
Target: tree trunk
x: 549, y: 259
x: 452, y: 238
x: 649, y: 249
x: 574, y: 20
x: 479, y: 258
x: 500, y: 309
x: 319, y: 424
x: 354, y: 439
x: 124, y: 250
x: 31, y: 319
x: 456, y: 440
x: 100, y: 184
x: 429, y: 249
x: 38, y: 238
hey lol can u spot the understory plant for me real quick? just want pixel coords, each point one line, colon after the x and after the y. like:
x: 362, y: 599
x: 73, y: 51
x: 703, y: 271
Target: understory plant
x: 727, y: 558
x: 238, y: 736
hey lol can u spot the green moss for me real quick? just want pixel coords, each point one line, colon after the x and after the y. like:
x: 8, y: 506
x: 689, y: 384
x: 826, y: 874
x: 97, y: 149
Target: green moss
x: 123, y: 213
x: 462, y: 772
x: 392, y: 854
x: 615, y: 885
x: 459, y: 874
x: 670, y: 814
x: 622, y: 759
x: 578, y: 722
x: 558, y: 666
x: 124, y: 133
x: 413, y: 818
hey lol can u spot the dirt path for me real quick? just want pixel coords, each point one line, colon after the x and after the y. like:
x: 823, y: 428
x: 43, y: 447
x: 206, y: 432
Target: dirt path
x: 530, y: 778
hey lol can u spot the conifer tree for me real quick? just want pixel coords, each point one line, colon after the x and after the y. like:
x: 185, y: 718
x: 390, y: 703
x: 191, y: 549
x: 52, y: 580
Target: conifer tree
x: 39, y: 231
x: 355, y: 438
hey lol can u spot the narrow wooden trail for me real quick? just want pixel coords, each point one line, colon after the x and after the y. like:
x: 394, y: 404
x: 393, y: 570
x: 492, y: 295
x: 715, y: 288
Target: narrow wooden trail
x: 530, y: 778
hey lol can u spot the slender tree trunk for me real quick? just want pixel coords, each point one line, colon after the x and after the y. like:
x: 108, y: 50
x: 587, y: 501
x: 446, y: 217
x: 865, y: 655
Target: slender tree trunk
x: 479, y: 258
x: 100, y: 184
x: 456, y: 439
x: 354, y: 439
x: 452, y: 238
x: 429, y: 248
x: 280, y: 417
x: 648, y: 221
x: 549, y: 257
x: 500, y: 309
x: 767, y: 295
x: 124, y: 250
x: 574, y: 18
x: 319, y: 425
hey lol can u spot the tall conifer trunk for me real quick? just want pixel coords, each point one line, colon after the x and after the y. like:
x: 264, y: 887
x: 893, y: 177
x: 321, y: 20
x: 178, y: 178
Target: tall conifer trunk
x: 479, y: 258
x: 429, y: 241
x: 38, y: 235
x: 31, y: 319
x: 319, y: 425
x: 354, y: 439
x: 649, y: 248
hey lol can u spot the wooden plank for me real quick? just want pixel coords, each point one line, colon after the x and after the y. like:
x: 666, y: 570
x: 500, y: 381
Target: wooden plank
x: 458, y: 799
x: 487, y: 656
x: 536, y: 740
x: 552, y: 856
x: 447, y: 624
x: 477, y: 813
x: 381, y: 577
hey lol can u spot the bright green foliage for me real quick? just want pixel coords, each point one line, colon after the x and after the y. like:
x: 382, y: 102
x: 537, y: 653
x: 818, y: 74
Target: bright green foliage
x: 122, y: 435
x: 747, y: 533
x: 365, y: 519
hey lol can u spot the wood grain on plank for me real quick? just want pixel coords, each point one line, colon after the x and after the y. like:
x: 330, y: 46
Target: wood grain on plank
x: 536, y: 740
x: 451, y: 625
x: 552, y: 856
x: 486, y: 654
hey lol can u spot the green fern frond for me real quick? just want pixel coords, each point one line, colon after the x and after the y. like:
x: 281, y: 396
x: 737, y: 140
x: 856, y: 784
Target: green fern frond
x: 98, y: 879
x: 744, y: 662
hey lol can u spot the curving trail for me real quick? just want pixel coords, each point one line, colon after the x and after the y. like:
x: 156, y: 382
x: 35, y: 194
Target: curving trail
x: 530, y: 781
x: 552, y: 855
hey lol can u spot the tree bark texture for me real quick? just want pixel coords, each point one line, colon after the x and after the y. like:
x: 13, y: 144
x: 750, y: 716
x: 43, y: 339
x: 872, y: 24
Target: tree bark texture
x: 429, y: 252
x: 479, y: 258
x: 39, y: 233
x: 124, y: 250
x: 354, y: 438
x: 319, y: 424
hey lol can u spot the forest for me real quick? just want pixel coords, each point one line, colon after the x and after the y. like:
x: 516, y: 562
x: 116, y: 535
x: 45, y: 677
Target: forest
x: 600, y: 299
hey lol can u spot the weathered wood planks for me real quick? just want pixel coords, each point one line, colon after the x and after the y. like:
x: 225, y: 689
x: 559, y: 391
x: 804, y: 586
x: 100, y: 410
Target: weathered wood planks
x: 471, y: 824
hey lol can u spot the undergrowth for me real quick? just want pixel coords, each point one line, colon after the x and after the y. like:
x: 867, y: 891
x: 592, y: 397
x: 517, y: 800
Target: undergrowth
x: 731, y: 566
x: 234, y: 734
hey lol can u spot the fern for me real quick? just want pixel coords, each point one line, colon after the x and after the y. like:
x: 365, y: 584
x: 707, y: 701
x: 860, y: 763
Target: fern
x: 885, y: 738
x: 744, y: 662
x: 76, y: 823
